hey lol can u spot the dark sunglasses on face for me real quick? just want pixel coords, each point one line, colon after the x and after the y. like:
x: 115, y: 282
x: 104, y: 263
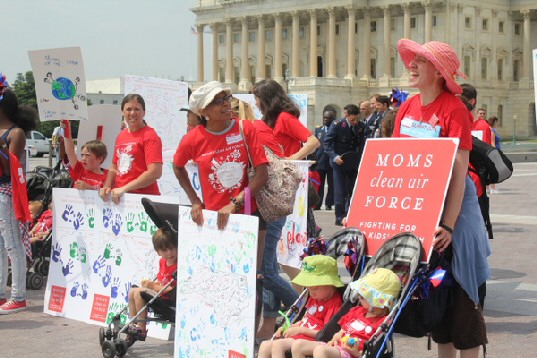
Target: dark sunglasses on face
x: 220, y: 101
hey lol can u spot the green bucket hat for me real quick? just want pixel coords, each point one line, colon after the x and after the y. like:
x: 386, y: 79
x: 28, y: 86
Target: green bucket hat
x: 318, y: 270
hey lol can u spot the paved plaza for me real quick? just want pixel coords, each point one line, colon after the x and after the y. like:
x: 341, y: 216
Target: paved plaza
x: 510, y: 308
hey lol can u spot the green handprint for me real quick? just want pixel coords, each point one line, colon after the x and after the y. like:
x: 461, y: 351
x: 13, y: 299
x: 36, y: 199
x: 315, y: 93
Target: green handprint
x: 91, y: 218
x: 152, y: 228
x: 73, y: 248
x: 212, y: 250
x: 164, y: 325
x: 82, y: 254
x: 118, y: 257
x: 130, y: 222
x: 107, y: 250
x: 142, y: 220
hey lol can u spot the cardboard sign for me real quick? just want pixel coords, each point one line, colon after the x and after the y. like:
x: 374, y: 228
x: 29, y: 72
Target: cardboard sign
x: 401, y: 186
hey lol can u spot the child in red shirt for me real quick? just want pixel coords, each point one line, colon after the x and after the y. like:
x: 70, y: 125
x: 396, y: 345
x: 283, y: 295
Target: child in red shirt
x: 166, y: 247
x: 87, y: 173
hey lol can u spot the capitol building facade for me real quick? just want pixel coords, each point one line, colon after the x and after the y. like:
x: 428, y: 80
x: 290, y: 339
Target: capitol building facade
x: 344, y: 51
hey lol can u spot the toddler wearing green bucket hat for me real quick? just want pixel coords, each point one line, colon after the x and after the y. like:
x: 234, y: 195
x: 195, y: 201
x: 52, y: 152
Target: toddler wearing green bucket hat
x: 378, y: 291
x: 319, y: 274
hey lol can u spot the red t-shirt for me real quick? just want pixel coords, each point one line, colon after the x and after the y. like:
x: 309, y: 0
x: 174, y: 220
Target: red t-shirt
x: 480, y: 129
x: 44, y: 223
x: 95, y: 180
x: 222, y: 161
x: 134, y: 151
x: 356, y: 325
x: 165, y: 272
x: 266, y: 137
x: 318, y: 314
x: 290, y: 133
x: 446, y: 116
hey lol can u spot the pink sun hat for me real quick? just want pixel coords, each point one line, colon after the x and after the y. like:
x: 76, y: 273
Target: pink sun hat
x: 440, y: 54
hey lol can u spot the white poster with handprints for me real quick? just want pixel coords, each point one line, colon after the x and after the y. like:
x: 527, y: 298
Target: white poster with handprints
x: 99, y: 250
x: 300, y: 99
x: 163, y: 100
x: 216, y: 287
x: 60, y: 83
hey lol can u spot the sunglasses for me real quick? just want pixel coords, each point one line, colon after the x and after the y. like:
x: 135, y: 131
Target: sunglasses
x: 220, y: 101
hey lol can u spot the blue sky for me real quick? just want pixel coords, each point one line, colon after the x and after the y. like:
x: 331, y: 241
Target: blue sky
x: 117, y: 37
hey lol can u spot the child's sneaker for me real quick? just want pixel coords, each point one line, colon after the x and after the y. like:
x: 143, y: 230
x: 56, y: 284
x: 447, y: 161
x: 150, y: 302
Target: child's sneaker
x: 2, y: 301
x: 12, y: 306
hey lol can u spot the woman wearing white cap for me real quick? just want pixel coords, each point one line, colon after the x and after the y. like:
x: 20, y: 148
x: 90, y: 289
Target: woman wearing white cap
x: 437, y: 112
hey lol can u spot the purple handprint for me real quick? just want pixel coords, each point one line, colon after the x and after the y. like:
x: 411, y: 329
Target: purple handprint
x: 107, y: 276
x: 56, y: 251
x: 115, y: 287
x: 78, y: 221
x: 116, y: 227
x: 66, y: 270
x: 128, y: 287
x: 98, y: 264
x: 66, y: 216
x: 107, y: 216
x: 74, y: 289
x: 84, y: 293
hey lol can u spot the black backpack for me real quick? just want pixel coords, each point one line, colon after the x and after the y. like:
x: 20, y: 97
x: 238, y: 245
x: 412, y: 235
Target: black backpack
x: 489, y: 163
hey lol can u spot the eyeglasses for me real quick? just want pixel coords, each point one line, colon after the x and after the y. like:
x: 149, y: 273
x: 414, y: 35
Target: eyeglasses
x: 220, y: 101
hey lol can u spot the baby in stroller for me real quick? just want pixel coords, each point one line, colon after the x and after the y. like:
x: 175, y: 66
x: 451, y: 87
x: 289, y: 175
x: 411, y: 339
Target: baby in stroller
x: 165, y: 245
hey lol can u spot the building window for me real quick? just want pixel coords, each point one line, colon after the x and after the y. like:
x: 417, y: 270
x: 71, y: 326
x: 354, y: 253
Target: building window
x: 500, y: 27
x: 516, y: 70
x: 412, y: 22
x: 517, y: 29
x: 467, y: 61
x: 393, y: 24
x: 284, y: 34
x: 236, y: 74
x: 468, y: 22
x: 373, y: 68
x: 392, y: 66
x: 500, y: 69
x: 301, y: 32
x: 221, y: 39
x: 268, y: 35
x: 268, y: 71
x: 101, y: 101
x: 318, y: 30
x: 337, y: 29
x: 236, y: 37
x: 485, y: 24
x: 222, y: 74
x: 484, y: 68
x: 500, y: 114
x: 355, y: 27
x: 252, y: 74
x: 114, y: 101
x: 373, y: 26
x: 434, y: 20
x: 252, y: 35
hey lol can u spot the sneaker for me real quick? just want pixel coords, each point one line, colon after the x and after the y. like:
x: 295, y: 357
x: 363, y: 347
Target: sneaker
x: 12, y: 306
x: 2, y: 301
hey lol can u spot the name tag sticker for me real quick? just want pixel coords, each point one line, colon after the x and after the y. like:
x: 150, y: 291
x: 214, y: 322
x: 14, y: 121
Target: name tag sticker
x: 233, y: 139
x: 418, y: 129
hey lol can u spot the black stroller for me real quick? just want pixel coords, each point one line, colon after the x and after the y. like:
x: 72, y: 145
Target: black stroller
x: 165, y: 216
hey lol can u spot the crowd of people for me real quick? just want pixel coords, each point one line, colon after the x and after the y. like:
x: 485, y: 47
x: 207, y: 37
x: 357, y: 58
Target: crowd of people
x: 218, y: 137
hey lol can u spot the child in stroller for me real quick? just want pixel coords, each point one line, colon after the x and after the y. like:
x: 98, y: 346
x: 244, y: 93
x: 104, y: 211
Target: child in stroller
x: 166, y: 247
x: 319, y: 275
x: 378, y: 292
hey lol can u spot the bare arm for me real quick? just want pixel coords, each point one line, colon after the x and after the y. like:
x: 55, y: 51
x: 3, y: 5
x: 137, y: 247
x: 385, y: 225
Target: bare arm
x: 104, y: 192
x: 17, y: 141
x: 70, y: 151
x: 153, y: 172
x: 312, y: 143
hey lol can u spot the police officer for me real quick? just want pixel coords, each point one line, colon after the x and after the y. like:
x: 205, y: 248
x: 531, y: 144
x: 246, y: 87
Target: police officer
x: 322, y: 166
x: 342, y: 143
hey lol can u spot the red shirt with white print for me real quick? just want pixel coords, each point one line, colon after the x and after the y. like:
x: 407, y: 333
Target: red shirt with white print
x: 318, y: 314
x: 94, y: 180
x: 356, y: 325
x: 133, y: 152
x: 222, y: 161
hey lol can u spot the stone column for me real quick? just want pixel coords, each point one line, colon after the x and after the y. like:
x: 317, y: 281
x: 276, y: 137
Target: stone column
x: 260, y: 73
x: 351, y: 45
x: 406, y: 20
x: 201, y: 72
x: 215, y: 67
x: 278, y: 48
x: 387, y: 42
x: 229, y: 52
x: 366, y: 46
x: 428, y: 20
x: 295, y: 51
x: 331, y: 43
x: 313, y: 43
x: 244, y: 83
x: 526, y: 53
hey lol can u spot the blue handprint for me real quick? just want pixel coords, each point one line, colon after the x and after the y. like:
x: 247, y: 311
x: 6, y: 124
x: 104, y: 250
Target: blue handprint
x: 66, y: 270
x: 115, y: 287
x: 107, y: 216
x: 128, y: 287
x: 66, y: 216
x: 56, y: 251
x: 116, y: 227
x: 98, y: 264
x: 74, y: 289
x: 84, y: 293
x: 107, y: 276
x: 78, y: 221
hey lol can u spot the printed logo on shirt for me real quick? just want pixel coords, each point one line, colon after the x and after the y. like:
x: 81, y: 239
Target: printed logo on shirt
x: 418, y: 129
x: 125, y: 159
x: 228, y: 173
x: 232, y: 139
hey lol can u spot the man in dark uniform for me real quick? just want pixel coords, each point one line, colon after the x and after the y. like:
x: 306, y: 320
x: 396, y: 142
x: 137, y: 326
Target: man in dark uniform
x: 341, y: 143
x: 323, y: 166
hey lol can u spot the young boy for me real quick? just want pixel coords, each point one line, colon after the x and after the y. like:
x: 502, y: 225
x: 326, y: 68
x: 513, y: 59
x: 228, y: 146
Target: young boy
x: 86, y: 173
x: 166, y: 247
x: 319, y: 275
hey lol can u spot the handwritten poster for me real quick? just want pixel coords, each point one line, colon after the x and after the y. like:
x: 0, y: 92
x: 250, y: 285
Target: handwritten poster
x: 401, y: 186
x: 99, y: 250
x: 216, y: 287
x: 60, y: 83
x: 301, y: 100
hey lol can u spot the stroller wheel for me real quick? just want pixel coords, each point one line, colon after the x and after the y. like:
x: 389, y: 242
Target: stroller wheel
x: 121, y: 347
x: 101, y: 336
x: 108, y: 349
x: 34, y: 281
x: 42, y: 267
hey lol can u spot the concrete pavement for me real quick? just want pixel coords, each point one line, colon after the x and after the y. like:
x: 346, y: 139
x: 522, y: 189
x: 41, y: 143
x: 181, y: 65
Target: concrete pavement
x: 510, y: 308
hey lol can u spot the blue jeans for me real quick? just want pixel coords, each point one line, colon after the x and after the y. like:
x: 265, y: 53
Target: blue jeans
x: 275, y: 288
x: 11, y: 245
